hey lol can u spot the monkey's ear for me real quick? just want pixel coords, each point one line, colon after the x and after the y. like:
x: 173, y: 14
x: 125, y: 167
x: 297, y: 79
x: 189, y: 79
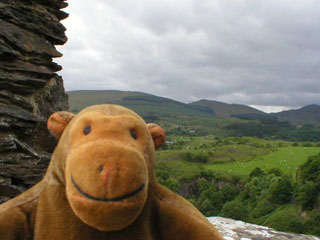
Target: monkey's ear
x: 57, y: 122
x: 158, y: 134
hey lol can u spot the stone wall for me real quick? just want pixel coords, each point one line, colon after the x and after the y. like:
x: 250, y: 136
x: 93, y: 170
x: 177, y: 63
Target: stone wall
x: 30, y: 89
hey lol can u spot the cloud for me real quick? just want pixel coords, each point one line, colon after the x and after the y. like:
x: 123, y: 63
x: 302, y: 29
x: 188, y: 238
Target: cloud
x: 263, y: 53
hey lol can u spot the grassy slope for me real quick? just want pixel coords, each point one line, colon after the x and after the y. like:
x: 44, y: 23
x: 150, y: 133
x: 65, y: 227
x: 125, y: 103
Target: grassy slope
x: 287, y: 159
x: 280, y: 218
x: 233, y: 158
x: 226, y: 110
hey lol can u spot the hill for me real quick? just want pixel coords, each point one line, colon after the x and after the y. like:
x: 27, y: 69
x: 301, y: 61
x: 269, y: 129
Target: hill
x: 204, y: 117
x: 171, y: 114
x: 306, y: 115
x: 227, y: 110
x: 146, y: 105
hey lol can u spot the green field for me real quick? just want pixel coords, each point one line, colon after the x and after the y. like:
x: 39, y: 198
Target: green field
x: 287, y: 159
x: 232, y: 156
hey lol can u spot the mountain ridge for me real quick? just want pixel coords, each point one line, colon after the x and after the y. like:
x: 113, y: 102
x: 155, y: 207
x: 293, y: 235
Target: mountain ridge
x: 152, y: 106
x: 309, y: 114
x: 133, y: 99
x: 226, y: 109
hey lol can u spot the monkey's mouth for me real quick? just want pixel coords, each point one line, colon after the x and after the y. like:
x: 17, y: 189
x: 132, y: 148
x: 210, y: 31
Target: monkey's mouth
x: 115, y: 199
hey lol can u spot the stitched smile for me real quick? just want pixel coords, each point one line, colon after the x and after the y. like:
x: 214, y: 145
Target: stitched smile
x: 116, y: 199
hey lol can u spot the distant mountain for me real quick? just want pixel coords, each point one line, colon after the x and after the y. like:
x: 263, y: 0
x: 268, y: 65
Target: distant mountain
x: 206, y: 117
x: 228, y: 110
x: 147, y: 105
x: 308, y: 114
x: 176, y: 117
x: 201, y: 113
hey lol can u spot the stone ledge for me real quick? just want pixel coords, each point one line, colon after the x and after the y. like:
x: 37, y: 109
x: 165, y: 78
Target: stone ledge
x: 236, y: 230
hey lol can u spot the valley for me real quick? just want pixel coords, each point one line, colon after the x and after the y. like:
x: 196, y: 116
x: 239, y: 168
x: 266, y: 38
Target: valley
x: 232, y: 160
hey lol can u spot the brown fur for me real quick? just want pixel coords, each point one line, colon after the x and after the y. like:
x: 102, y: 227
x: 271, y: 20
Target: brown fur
x: 100, y: 184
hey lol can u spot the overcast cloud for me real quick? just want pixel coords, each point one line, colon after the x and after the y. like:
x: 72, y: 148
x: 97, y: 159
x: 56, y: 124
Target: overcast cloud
x: 260, y: 53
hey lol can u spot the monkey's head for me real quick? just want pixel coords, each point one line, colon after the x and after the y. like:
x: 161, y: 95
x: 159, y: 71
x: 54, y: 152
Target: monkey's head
x: 105, y: 158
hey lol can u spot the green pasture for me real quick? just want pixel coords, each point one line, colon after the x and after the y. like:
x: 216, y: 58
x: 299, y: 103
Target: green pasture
x: 182, y: 170
x: 288, y: 159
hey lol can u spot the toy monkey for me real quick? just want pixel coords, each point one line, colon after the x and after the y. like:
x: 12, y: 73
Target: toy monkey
x: 100, y: 184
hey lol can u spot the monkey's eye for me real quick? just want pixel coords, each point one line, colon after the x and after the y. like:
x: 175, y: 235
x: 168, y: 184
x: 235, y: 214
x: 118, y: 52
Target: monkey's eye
x: 133, y: 134
x: 87, y: 130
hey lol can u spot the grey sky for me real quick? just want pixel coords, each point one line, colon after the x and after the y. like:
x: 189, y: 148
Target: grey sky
x: 262, y: 53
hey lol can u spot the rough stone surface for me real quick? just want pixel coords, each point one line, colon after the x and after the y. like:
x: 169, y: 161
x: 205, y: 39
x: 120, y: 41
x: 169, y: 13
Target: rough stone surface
x: 237, y: 230
x: 188, y: 189
x: 30, y: 89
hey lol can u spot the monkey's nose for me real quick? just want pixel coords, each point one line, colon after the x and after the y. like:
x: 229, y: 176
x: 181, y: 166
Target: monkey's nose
x: 106, y: 172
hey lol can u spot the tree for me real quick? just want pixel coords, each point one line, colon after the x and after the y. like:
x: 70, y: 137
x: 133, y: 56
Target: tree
x: 235, y: 210
x: 275, y: 171
x: 257, y: 172
x: 281, y: 191
x: 214, y: 197
x: 228, y: 193
x: 255, y: 187
x: 162, y: 172
x: 307, y: 195
x: 203, y: 185
x: 310, y: 170
x: 263, y: 207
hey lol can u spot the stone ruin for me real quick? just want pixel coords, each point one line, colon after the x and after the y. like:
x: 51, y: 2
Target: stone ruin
x: 30, y: 89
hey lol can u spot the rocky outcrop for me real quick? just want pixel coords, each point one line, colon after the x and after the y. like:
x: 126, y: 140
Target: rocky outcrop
x: 237, y: 230
x: 188, y: 189
x: 30, y: 89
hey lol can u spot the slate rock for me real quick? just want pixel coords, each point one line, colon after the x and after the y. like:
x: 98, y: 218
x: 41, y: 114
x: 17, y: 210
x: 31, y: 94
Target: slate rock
x: 26, y: 41
x: 30, y: 89
x: 35, y: 20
